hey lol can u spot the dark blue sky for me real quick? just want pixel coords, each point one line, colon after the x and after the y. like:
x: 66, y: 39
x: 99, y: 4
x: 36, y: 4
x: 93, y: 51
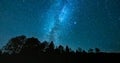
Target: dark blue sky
x: 77, y: 23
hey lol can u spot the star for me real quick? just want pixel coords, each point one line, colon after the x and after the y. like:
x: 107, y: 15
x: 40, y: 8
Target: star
x: 74, y: 22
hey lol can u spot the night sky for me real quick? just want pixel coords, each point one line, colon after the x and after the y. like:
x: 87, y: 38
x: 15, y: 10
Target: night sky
x: 76, y: 23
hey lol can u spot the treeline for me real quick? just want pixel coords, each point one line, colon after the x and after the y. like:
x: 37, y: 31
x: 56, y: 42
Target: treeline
x: 23, y: 45
x: 21, y: 49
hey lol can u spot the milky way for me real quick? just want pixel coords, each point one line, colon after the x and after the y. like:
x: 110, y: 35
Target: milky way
x: 59, y: 13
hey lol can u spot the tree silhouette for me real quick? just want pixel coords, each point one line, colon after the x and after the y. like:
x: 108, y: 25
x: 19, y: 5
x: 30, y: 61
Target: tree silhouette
x: 79, y: 50
x: 15, y: 44
x: 0, y: 52
x: 97, y: 50
x: 67, y: 49
x: 51, y: 47
x: 90, y: 50
x: 31, y: 46
x: 43, y: 46
x: 61, y: 49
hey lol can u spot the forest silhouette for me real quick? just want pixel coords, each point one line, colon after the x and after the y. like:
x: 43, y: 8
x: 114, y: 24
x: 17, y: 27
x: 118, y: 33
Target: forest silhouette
x: 21, y: 49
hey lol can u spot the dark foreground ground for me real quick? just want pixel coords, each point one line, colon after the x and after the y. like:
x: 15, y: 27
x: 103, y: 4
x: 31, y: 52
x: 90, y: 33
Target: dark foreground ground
x: 61, y: 58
